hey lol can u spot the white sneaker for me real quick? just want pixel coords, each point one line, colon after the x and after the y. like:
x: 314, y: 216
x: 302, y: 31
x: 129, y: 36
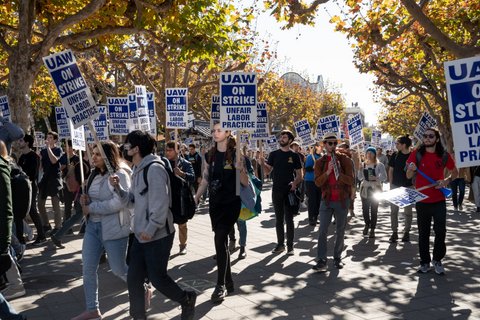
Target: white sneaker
x: 439, y: 269
x: 13, y: 292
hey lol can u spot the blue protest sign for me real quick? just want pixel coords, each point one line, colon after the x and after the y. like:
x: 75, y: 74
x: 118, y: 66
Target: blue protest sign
x: 463, y: 89
x: 272, y: 143
x: 376, y: 137
x: 261, y: 130
x: 63, y: 127
x: 238, y: 101
x: 355, y: 132
x: 118, y: 115
x: 176, y: 100
x: 100, y: 124
x: 4, y: 108
x: 328, y: 124
x: 151, y: 113
x: 142, y: 108
x: 215, y: 110
x: 133, y: 123
x: 304, y: 132
x: 76, y: 96
x: 425, y: 122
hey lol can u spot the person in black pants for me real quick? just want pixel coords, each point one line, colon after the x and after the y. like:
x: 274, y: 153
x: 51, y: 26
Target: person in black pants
x: 29, y: 161
x: 220, y: 177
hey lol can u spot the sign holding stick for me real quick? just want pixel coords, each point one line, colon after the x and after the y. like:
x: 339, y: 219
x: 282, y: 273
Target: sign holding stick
x: 76, y: 96
x: 142, y: 108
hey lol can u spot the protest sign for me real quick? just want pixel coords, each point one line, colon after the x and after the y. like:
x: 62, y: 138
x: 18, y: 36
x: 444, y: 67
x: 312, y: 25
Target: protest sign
x: 238, y: 101
x: 177, y: 108
x: 142, y: 108
x: 463, y: 89
x: 39, y: 139
x: 355, y: 131
x: 188, y: 141
x: 304, y: 132
x: 118, y: 115
x: 402, y: 197
x: 63, y: 127
x: 272, y: 143
x: 151, y: 113
x: 376, y: 137
x: 425, y: 122
x: 4, y: 108
x: 76, y: 96
x: 328, y: 124
x: 261, y: 130
x: 244, y: 137
x: 77, y: 136
x: 215, y: 110
x: 133, y: 123
x: 100, y: 124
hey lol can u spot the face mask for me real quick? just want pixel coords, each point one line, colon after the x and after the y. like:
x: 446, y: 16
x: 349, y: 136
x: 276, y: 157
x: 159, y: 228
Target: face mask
x: 126, y: 156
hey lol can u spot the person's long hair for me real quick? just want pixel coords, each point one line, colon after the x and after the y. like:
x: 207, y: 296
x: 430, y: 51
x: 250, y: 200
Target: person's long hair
x: 439, y: 149
x: 113, y: 156
x: 231, y: 144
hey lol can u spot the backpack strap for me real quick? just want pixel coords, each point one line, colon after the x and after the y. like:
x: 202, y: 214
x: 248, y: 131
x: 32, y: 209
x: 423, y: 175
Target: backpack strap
x: 145, y: 175
x: 418, y: 158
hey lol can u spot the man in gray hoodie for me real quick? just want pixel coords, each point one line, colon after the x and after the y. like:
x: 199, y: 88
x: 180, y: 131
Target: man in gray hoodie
x: 152, y: 226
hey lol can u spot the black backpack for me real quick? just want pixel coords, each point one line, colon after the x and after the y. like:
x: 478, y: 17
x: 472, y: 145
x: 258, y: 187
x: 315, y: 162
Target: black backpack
x: 183, y: 204
x: 21, y: 192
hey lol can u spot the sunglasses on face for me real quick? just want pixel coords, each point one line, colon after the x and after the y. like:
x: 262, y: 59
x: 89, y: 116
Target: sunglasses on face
x: 332, y: 143
x: 428, y: 136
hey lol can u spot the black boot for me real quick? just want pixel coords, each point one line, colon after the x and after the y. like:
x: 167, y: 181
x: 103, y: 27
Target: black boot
x: 218, y: 294
x: 365, y: 229
x: 188, y: 305
x: 242, y: 254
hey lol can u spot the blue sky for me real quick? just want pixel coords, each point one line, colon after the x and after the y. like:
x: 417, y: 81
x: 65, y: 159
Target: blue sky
x: 319, y: 50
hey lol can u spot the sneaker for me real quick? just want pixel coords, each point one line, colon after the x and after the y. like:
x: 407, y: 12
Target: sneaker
x: 406, y: 237
x: 89, y: 315
x: 188, y: 305
x: 230, y: 287
x: 13, y: 292
x: 231, y: 246
x: 439, y: 269
x: 148, y: 296
x: 20, y: 254
x: 372, y: 233
x: 424, y: 268
x: 183, y: 250
x: 321, y: 266
x: 393, y: 237
x: 290, y: 251
x: 242, y: 254
x: 365, y: 230
x: 39, y: 242
x: 279, y: 248
x: 338, y: 263
x: 218, y: 294
x: 57, y: 242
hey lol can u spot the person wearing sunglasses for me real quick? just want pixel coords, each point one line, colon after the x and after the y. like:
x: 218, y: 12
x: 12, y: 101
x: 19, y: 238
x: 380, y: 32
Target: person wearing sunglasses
x: 335, y: 177
x: 434, y: 207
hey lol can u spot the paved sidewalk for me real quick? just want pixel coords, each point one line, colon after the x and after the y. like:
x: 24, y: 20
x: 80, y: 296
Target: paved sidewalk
x: 379, y: 280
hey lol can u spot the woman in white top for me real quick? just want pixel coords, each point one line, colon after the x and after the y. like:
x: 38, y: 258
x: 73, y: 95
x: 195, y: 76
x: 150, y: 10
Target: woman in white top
x: 372, y: 174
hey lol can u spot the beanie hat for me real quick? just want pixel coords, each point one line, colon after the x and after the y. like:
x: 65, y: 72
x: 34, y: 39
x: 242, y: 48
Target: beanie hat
x: 372, y: 150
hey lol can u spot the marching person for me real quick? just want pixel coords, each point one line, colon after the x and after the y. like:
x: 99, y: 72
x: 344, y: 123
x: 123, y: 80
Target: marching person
x: 314, y: 194
x: 334, y: 176
x: 431, y: 159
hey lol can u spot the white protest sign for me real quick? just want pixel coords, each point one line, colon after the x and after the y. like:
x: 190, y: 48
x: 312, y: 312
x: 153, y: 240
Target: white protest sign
x: 463, y: 89
x: 63, y: 127
x: 76, y: 96
x: 215, y: 110
x: 172, y: 135
x: 376, y: 137
x: 118, y: 115
x: 133, y: 123
x: 188, y: 141
x: 355, y: 131
x: 272, y: 143
x: 176, y: 100
x: 39, y: 139
x: 151, y: 113
x: 252, y: 144
x: 328, y: 124
x: 425, y: 122
x: 261, y: 130
x: 402, y: 197
x: 142, y: 108
x: 4, y: 108
x: 304, y: 132
x: 100, y: 124
x: 77, y: 136
x: 244, y: 137
x: 238, y: 101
